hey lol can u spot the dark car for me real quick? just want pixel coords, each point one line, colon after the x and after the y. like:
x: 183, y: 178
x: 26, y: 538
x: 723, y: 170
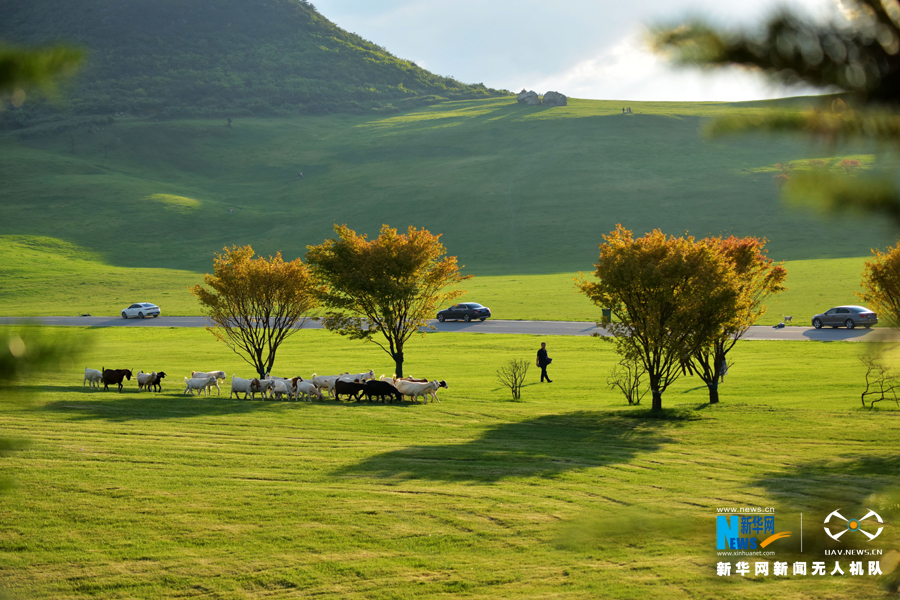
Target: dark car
x: 848, y: 316
x: 466, y: 311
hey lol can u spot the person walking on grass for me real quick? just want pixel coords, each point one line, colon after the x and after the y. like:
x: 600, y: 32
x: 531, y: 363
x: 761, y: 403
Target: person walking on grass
x: 543, y: 361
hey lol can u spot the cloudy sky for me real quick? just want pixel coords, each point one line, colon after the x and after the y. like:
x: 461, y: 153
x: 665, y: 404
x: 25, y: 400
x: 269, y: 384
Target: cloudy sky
x: 582, y: 48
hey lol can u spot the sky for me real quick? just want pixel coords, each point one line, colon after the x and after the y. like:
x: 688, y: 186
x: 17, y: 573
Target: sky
x: 581, y: 48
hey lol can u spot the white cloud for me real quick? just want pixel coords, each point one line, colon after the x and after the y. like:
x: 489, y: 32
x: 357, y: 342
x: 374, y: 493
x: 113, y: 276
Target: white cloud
x: 629, y: 71
x: 583, y: 48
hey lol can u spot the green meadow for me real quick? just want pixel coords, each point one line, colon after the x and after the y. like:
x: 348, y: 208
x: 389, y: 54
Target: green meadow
x: 568, y: 493
x: 40, y: 280
x: 512, y: 189
x: 96, y: 217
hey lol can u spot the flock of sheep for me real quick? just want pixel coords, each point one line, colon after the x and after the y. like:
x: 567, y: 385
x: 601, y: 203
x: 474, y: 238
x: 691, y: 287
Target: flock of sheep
x: 279, y: 388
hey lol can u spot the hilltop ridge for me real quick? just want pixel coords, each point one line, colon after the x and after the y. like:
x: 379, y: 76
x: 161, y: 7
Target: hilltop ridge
x: 223, y: 58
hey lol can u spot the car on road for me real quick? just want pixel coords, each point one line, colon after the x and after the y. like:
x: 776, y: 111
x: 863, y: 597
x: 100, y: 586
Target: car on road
x: 848, y: 316
x: 141, y: 310
x: 466, y: 311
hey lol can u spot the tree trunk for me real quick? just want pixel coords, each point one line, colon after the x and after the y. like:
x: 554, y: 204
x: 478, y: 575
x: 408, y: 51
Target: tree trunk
x: 398, y: 364
x: 654, y: 389
x: 713, y: 391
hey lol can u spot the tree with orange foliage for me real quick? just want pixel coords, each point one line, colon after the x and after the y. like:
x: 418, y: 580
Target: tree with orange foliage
x: 881, y: 284
x: 756, y: 278
x: 669, y: 297
x: 390, y: 285
x: 256, y: 303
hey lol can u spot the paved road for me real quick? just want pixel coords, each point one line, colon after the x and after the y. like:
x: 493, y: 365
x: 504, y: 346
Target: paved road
x: 498, y: 326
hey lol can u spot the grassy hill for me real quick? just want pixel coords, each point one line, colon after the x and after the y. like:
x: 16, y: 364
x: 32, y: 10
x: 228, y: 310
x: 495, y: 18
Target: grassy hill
x: 513, y: 189
x: 216, y: 57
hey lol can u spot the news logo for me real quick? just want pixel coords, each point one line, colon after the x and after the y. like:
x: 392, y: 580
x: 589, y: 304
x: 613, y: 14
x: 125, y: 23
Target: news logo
x: 746, y: 532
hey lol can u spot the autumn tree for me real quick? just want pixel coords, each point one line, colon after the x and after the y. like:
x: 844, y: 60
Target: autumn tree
x: 669, y: 297
x: 383, y: 290
x: 881, y: 284
x: 256, y: 303
x: 756, y: 278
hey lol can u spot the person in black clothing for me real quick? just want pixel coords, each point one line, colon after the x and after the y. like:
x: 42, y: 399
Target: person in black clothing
x: 542, y: 361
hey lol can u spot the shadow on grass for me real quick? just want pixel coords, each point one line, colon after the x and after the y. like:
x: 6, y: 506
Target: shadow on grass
x: 137, y: 406
x: 541, y: 447
x: 837, y: 480
x: 851, y: 485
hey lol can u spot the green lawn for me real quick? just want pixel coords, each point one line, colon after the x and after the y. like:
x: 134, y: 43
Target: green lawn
x: 569, y: 493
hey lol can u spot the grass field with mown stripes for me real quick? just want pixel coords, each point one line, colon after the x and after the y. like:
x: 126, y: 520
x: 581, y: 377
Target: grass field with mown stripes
x: 569, y: 493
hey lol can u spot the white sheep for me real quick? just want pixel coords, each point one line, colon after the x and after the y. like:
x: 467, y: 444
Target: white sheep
x: 216, y: 375
x: 307, y: 390
x: 359, y: 377
x: 238, y: 385
x: 260, y: 386
x: 326, y: 382
x: 146, y: 380
x: 280, y: 388
x: 92, y: 376
x: 416, y: 389
x: 199, y: 383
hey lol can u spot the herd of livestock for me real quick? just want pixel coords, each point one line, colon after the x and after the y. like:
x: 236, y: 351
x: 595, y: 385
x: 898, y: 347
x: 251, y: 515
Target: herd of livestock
x: 354, y: 386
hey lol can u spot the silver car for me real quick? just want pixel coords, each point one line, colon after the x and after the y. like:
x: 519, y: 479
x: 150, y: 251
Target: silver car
x: 141, y: 310
x: 848, y: 316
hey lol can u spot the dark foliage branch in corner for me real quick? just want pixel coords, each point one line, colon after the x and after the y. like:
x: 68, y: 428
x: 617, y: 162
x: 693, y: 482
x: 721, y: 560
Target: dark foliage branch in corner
x: 859, y: 57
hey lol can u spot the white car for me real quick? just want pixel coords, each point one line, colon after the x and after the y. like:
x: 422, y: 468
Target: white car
x: 141, y: 309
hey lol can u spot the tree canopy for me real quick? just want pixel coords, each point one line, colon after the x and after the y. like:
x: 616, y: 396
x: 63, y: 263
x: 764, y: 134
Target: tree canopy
x: 669, y: 297
x: 256, y: 303
x: 756, y: 277
x: 383, y: 290
x: 881, y: 284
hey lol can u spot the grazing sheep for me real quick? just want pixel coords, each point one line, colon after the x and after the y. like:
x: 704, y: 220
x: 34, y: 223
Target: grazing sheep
x: 145, y: 380
x: 326, y: 382
x: 199, y: 383
x: 359, y: 377
x: 239, y: 384
x: 307, y: 390
x: 260, y: 386
x: 349, y: 388
x: 114, y: 376
x: 280, y: 388
x: 157, y: 383
x: 215, y: 375
x: 416, y: 389
x: 92, y: 377
x: 381, y: 389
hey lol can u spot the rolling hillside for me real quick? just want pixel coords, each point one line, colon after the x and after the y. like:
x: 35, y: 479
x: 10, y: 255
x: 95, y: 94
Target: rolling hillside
x: 513, y: 189
x: 215, y: 58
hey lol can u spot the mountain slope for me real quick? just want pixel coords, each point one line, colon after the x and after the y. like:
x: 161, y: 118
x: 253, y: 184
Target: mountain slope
x: 222, y: 58
x: 513, y: 189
